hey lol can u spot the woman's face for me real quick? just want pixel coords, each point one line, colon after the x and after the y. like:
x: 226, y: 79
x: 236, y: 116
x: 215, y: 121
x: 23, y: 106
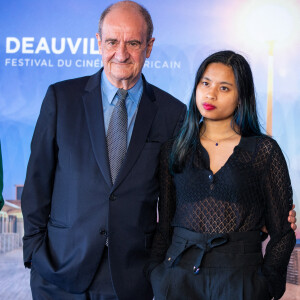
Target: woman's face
x: 216, y: 93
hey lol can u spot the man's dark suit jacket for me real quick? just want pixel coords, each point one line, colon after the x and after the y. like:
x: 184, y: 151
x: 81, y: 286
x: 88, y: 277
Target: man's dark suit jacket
x: 69, y: 203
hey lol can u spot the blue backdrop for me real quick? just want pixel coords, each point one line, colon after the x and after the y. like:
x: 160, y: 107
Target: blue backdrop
x: 42, y: 42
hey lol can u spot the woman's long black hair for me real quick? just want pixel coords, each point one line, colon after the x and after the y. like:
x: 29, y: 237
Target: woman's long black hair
x: 245, y: 115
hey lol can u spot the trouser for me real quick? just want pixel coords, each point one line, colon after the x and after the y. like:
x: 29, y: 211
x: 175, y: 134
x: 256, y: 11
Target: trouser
x: 101, y: 287
x: 211, y: 267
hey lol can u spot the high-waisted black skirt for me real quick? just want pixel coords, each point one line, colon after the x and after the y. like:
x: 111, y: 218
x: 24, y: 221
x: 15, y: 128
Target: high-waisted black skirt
x: 211, y: 267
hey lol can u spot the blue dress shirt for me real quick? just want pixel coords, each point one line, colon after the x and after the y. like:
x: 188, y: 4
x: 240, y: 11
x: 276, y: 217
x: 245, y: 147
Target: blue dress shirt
x: 109, y: 100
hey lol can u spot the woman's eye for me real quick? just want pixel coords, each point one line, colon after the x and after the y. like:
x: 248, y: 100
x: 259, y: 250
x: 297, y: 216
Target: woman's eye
x: 224, y: 88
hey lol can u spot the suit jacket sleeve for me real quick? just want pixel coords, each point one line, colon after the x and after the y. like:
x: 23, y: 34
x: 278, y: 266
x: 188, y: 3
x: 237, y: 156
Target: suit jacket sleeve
x: 180, y: 121
x: 38, y: 187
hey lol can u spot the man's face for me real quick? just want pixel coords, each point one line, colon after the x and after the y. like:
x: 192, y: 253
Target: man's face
x: 124, y: 47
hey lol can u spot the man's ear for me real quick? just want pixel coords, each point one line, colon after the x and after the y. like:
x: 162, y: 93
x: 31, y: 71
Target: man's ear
x: 99, y: 42
x: 149, y: 47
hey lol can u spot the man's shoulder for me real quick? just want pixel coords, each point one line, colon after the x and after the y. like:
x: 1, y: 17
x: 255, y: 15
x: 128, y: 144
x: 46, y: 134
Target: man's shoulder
x: 79, y: 82
x: 75, y: 88
x: 86, y: 82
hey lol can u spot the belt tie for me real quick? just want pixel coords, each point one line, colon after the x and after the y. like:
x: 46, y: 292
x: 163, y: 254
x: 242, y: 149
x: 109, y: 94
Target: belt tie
x: 206, y: 246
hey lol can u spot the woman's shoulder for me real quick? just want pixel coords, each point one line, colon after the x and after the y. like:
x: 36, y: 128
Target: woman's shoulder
x: 267, y: 142
x: 265, y: 146
x: 251, y: 143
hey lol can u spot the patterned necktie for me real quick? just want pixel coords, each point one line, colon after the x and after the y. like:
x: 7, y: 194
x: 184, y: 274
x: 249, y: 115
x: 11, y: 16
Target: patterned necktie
x: 117, y: 135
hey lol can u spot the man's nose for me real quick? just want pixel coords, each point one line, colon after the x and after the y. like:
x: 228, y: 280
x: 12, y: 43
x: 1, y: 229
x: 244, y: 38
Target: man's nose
x: 121, y: 53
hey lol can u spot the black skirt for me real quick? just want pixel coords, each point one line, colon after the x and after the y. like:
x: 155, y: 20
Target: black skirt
x: 211, y: 267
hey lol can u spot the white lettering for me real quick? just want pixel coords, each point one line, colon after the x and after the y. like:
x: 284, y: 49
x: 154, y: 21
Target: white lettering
x: 64, y: 62
x: 27, y: 43
x: 30, y: 45
x: 7, y: 61
x: 78, y: 63
x: 42, y: 46
x: 165, y: 65
x: 27, y: 62
x: 14, y: 62
x: 62, y: 46
x: 74, y: 48
x: 177, y: 65
x: 88, y: 63
x: 60, y: 63
x: 85, y: 46
x: 9, y: 41
x: 157, y: 64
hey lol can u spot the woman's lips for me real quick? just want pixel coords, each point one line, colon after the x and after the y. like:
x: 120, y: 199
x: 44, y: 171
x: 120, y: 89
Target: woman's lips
x: 207, y: 106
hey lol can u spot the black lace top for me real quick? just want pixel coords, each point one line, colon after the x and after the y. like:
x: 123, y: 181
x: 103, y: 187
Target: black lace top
x: 252, y: 189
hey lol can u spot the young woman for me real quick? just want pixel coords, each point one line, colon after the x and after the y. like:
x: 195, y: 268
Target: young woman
x: 222, y: 180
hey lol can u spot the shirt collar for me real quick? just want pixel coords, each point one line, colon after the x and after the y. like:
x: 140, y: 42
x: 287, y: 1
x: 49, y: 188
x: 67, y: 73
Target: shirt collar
x: 134, y: 94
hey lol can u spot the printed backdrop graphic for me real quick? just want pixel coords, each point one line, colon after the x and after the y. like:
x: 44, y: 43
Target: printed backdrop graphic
x: 42, y: 42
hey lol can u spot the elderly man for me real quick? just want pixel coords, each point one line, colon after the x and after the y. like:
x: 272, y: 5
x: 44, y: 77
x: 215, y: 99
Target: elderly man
x: 91, y: 190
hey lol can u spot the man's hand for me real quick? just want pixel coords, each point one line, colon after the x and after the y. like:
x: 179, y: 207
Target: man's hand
x: 291, y: 218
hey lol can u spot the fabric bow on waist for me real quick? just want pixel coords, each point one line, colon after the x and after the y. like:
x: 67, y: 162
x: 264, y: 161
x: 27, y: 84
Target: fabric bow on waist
x: 206, y: 246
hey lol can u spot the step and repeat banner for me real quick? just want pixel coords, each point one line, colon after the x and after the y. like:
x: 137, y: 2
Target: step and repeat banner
x: 42, y: 42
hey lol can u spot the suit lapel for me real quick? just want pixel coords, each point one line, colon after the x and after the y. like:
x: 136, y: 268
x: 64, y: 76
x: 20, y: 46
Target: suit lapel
x: 92, y: 100
x: 146, y: 113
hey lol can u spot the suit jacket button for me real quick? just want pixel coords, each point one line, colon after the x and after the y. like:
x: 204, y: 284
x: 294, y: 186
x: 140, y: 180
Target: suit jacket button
x: 102, y: 232
x: 112, y: 197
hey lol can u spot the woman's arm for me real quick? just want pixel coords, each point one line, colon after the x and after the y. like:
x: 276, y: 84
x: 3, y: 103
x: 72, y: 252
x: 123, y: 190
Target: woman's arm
x: 278, y: 196
x: 166, y: 208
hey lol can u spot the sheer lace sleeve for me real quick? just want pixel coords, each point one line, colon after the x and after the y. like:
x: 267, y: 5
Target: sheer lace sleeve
x: 166, y: 208
x: 278, y: 195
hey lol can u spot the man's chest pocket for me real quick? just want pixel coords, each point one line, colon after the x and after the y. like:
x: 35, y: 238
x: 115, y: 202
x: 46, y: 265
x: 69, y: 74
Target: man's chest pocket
x: 152, y: 145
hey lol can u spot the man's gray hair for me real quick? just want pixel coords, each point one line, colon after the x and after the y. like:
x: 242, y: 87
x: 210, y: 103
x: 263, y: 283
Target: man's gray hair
x: 143, y: 11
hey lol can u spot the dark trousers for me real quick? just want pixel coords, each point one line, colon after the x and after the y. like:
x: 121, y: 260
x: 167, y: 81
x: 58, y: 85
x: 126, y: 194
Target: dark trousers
x: 101, y: 287
x: 211, y: 266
